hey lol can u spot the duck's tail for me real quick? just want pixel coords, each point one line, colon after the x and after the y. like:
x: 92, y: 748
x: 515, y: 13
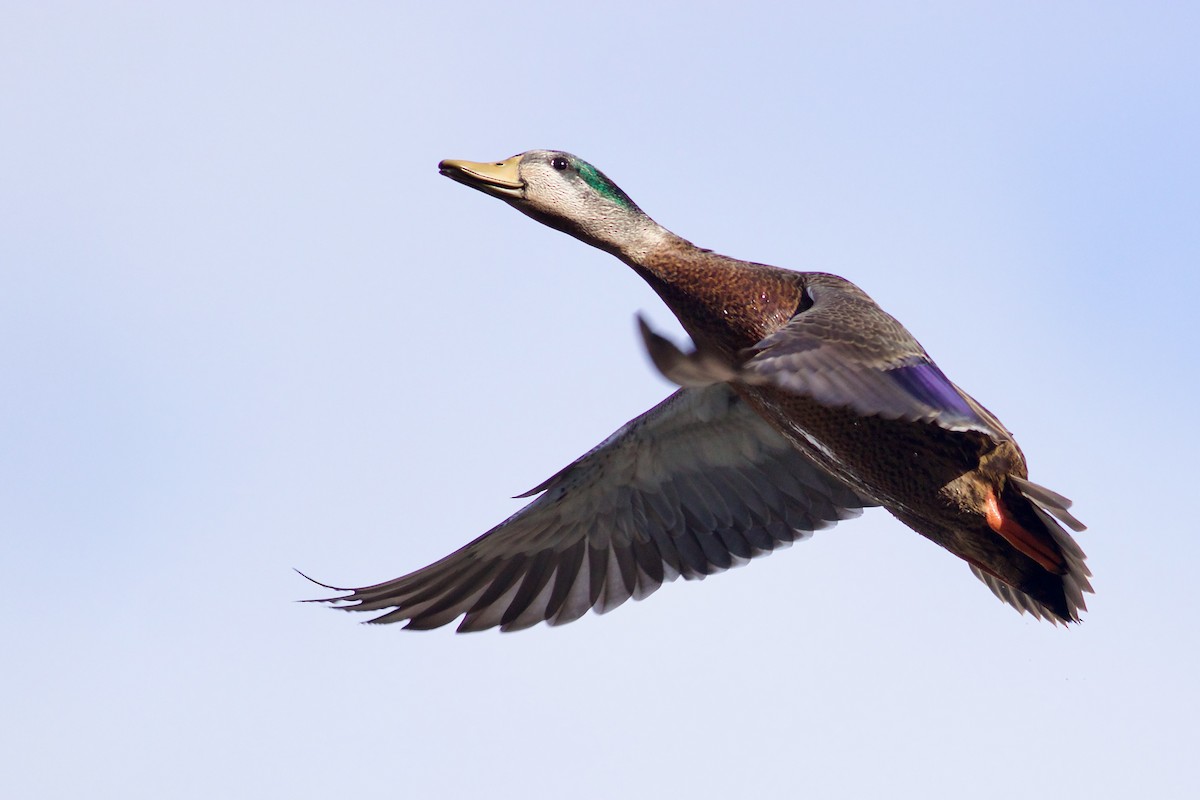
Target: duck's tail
x: 1027, y: 516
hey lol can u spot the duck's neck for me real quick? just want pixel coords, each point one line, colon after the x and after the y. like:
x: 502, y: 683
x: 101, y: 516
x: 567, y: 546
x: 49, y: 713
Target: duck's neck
x: 638, y: 243
x: 628, y: 234
x: 723, y: 303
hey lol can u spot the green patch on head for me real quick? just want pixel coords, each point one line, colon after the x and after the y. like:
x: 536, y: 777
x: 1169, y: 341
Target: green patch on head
x: 600, y: 182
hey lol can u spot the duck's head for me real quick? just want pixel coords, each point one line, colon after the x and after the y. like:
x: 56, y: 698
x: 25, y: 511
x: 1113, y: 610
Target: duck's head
x: 564, y: 192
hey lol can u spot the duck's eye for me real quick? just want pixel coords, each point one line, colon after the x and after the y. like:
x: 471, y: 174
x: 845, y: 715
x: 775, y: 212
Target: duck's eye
x: 559, y: 163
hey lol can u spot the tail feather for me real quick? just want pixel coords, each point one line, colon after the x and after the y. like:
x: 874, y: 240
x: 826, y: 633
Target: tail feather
x: 1016, y: 598
x: 1051, y: 502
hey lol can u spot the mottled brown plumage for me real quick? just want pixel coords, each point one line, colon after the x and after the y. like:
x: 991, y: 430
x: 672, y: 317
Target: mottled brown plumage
x: 802, y: 403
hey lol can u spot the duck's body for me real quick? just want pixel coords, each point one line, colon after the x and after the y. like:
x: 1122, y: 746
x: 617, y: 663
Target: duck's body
x: 855, y: 414
x: 729, y: 306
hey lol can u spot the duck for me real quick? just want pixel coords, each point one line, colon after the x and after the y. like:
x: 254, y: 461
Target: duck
x: 800, y: 402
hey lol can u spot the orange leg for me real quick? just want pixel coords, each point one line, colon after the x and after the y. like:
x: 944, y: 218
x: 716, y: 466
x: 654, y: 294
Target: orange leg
x: 1032, y: 545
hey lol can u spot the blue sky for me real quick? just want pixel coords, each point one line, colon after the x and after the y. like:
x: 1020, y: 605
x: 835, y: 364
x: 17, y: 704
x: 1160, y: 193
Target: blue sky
x: 246, y: 327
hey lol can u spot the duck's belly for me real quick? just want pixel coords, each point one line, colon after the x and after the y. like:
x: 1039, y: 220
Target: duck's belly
x: 907, y: 467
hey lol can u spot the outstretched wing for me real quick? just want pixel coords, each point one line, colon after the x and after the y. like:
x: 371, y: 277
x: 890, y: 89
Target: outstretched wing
x: 842, y: 349
x: 696, y: 485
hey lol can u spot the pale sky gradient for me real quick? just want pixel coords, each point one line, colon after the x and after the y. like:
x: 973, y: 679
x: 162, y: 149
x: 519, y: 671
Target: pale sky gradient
x: 246, y: 327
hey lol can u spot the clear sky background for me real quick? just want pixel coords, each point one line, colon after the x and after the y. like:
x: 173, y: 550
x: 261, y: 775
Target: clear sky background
x: 246, y: 327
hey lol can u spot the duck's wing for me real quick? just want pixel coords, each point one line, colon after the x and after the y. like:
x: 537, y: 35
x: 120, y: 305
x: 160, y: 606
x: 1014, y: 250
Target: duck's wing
x: 696, y: 485
x: 842, y: 349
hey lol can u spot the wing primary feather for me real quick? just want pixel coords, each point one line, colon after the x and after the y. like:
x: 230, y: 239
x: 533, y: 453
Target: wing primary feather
x: 691, y: 554
x: 597, y: 567
x: 537, y: 575
x: 736, y: 544
x: 615, y: 591
x: 481, y: 614
x: 650, y: 564
x: 565, y: 576
x: 578, y: 595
